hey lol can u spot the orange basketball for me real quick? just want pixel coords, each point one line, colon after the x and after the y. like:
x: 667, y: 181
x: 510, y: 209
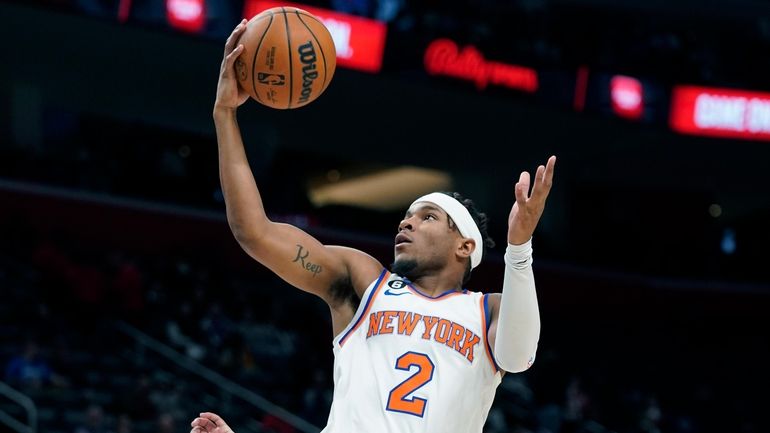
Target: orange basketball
x: 288, y: 58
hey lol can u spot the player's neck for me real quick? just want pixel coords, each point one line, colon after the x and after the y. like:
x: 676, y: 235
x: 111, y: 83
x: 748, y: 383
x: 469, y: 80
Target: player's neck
x: 436, y: 284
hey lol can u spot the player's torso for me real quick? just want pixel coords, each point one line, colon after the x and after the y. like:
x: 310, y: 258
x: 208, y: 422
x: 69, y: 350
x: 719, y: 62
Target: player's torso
x: 410, y: 363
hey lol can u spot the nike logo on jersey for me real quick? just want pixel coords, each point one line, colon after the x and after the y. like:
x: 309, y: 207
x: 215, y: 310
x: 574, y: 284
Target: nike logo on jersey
x: 442, y: 331
x: 390, y: 292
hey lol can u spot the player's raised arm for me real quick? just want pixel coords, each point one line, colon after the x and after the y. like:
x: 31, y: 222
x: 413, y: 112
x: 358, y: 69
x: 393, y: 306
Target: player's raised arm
x: 288, y: 251
x: 515, y: 327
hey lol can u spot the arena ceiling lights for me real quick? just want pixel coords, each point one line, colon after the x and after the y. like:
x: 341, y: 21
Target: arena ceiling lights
x: 383, y: 189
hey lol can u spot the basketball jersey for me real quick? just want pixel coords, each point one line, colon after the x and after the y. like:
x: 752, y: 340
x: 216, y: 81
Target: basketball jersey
x: 410, y: 363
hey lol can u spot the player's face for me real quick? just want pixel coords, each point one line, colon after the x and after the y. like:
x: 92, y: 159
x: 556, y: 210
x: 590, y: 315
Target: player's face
x: 425, y: 241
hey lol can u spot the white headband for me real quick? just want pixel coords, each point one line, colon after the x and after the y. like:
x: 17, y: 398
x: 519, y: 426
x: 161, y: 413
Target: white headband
x: 462, y: 219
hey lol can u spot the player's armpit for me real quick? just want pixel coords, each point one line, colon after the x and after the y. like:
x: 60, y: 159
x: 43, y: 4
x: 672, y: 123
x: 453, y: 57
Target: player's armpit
x: 304, y: 262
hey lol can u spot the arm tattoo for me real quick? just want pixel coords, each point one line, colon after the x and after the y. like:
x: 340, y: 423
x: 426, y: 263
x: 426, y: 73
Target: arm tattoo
x: 301, y: 259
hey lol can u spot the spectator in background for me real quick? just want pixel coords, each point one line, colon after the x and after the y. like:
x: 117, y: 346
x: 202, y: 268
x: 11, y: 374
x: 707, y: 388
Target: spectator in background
x: 94, y: 421
x: 183, y: 333
x: 88, y: 283
x: 273, y: 424
x: 137, y: 402
x: 651, y: 417
x: 63, y: 359
x: 100, y: 8
x: 168, y: 399
x: 576, y: 405
x: 496, y: 421
x: 264, y: 338
x: 124, y: 424
x: 388, y: 10
x: 127, y: 289
x: 166, y: 423
x: 317, y: 398
x: 30, y: 371
x: 217, y: 330
x: 362, y: 8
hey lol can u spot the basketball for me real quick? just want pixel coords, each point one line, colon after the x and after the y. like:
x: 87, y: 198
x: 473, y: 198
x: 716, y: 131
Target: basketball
x: 288, y: 58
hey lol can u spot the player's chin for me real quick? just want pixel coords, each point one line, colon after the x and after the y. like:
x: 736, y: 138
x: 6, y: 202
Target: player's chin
x: 400, y: 253
x: 403, y: 266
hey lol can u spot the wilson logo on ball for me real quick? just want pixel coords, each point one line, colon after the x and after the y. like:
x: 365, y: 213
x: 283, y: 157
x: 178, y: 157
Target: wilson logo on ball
x: 308, y: 57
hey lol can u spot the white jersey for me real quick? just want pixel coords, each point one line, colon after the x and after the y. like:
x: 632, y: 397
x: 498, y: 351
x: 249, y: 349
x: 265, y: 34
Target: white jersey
x: 409, y: 363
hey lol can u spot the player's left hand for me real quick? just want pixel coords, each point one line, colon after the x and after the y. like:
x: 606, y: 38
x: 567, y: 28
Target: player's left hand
x: 528, y: 208
x: 229, y: 95
x: 209, y: 422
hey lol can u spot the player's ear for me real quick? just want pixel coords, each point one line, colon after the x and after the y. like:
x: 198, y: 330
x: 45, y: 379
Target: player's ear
x: 465, y: 248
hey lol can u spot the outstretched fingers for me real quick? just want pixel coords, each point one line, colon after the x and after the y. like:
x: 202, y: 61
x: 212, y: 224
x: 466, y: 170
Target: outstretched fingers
x: 549, y: 169
x: 232, y: 48
x: 208, y: 422
x: 214, y: 418
x: 230, y: 59
x: 234, y: 36
x: 202, y: 425
x: 522, y: 189
x: 544, y: 179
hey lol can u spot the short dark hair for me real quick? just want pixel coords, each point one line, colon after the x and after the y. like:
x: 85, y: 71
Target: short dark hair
x: 480, y: 218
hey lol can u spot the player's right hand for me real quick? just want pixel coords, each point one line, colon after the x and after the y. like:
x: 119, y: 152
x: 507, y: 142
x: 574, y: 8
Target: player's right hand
x: 208, y: 422
x: 528, y: 208
x: 229, y: 94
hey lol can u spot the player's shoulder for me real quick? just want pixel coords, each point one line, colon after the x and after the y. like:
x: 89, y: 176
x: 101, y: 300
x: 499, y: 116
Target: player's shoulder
x: 362, y: 268
x: 489, y: 296
x: 491, y: 301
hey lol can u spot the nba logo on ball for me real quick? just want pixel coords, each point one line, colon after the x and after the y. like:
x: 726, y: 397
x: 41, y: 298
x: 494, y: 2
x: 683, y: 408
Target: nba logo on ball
x: 288, y: 58
x: 274, y: 79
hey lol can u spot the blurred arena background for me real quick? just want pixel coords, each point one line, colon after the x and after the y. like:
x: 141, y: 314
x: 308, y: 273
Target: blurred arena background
x: 127, y: 306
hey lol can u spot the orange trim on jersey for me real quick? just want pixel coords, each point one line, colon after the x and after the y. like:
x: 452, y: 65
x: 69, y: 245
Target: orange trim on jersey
x: 383, y: 278
x: 488, y: 350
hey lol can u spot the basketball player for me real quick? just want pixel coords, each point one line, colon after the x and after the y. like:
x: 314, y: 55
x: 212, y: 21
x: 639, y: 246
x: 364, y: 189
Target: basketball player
x: 413, y: 350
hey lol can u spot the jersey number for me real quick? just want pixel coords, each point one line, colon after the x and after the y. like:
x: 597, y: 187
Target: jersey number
x: 399, y: 400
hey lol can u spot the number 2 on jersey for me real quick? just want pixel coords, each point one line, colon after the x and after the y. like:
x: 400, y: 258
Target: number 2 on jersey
x: 399, y: 400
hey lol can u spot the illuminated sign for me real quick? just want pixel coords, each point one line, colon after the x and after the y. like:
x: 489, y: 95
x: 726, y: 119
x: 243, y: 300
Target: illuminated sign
x: 720, y: 112
x: 360, y: 42
x: 627, y: 97
x: 444, y: 57
x: 186, y: 15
